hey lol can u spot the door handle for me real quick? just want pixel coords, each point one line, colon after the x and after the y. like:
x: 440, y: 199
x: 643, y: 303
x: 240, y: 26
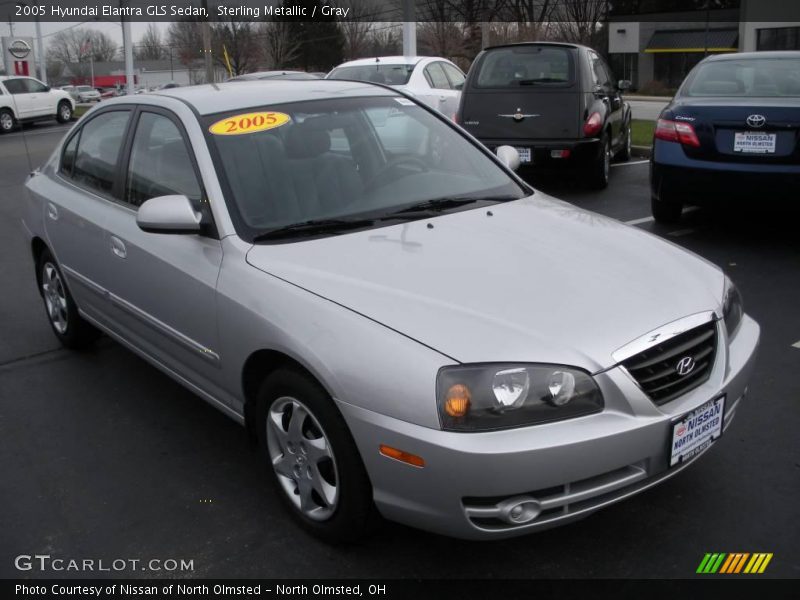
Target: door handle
x: 442, y: 98
x: 52, y: 211
x: 118, y: 247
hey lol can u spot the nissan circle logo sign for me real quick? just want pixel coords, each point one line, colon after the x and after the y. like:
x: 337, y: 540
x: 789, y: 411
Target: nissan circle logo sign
x: 19, y: 49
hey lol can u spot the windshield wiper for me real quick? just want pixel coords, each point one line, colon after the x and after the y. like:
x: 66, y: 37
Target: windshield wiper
x: 314, y: 227
x: 439, y: 205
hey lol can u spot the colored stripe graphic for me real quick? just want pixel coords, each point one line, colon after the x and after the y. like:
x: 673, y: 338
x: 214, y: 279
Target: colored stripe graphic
x: 740, y: 563
x: 728, y: 564
x: 734, y: 563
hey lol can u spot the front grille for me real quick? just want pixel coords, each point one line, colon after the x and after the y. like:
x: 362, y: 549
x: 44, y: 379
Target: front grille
x: 656, y: 369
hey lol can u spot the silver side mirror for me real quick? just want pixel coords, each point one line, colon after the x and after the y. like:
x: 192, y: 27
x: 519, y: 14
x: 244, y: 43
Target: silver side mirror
x: 168, y: 214
x: 509, y: 156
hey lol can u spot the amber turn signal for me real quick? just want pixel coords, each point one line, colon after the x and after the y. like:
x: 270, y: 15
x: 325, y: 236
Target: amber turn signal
x: 406, y: 457
x: 457, y: 401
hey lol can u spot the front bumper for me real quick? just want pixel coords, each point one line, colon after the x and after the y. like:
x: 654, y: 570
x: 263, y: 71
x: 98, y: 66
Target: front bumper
x: 581, y: 152
x: 570, y: 468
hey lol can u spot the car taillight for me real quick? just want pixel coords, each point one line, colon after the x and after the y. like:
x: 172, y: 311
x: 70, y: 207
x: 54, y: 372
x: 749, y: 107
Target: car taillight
x: 676, y: 131
x: 593, y: 125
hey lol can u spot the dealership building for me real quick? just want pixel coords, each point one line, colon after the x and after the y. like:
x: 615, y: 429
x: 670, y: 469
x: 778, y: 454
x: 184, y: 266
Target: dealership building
x: 655, y: 48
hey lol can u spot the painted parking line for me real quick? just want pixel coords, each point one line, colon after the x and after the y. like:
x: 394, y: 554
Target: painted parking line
x: 796, y: 345
x: 639, y: 221
x: 680, y: 232
x: 628, y: 164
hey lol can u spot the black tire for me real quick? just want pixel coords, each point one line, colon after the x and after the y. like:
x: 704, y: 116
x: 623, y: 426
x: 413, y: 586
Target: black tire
x: 64, y: 112
x: 666, y: 210
x: 62, y: 313
x: 7, y: 121
x: 599, y: 170
x: 353, y: 512
x: 624, y: 153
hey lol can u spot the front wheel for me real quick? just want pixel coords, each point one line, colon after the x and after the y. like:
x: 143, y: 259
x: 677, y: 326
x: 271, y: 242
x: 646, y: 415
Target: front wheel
x: 7, y: 121
x: 64, y: 112
x: 312, y: 457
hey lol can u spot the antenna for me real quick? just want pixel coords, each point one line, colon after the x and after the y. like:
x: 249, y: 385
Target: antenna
x: 22, y: 129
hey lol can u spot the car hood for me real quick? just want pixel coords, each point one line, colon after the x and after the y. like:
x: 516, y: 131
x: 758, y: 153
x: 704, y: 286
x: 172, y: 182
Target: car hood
x: 538, y: 280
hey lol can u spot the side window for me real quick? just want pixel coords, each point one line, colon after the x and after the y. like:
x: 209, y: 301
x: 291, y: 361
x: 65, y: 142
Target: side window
x: 16, y: 86
x: 436, y: 77
x: 98, y: 149
x: 599, y: 74
x: 455, y: 76
x: 34, y: 87
x: 68, y: 157
x: 160, y: 164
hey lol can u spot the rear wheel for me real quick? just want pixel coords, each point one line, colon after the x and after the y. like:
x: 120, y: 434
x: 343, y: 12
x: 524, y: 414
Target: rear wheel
x: 666, y: 210
x: 624, y: 153
x: 312, y: 457
x: 601, y: 166
x: 62, y: 313
x: 64, y: 112
x: 7, y: 121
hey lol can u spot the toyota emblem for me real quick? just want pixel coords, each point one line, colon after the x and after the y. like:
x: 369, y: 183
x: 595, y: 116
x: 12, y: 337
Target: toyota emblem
x: 685, y: 366
x: 756, y: 120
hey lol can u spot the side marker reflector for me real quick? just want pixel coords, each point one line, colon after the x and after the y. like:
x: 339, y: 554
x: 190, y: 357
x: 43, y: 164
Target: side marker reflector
x: 406, y: 457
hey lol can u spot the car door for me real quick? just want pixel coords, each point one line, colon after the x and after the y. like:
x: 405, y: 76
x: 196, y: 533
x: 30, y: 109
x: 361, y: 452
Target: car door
x: 23, y: 100
x: 163, y: 288
x: 42, y: 101
x: 78, y: 199
x: 444, y: 97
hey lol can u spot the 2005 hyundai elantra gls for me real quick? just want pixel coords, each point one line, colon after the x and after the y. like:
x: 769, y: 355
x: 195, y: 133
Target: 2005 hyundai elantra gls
x: 401, y: 322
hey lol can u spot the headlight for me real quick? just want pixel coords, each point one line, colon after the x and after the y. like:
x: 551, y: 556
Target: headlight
x: 485, y: 397
x: 732, y: 307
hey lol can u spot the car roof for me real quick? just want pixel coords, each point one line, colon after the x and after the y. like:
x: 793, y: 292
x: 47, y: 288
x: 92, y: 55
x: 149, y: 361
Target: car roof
x: 749, y: 55
x: 209, y: 99
x: 386, y: 60
x: 555, y: 44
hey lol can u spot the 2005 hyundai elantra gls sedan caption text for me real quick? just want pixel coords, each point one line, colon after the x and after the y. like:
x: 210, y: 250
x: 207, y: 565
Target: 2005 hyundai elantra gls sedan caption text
x: 404, y: 325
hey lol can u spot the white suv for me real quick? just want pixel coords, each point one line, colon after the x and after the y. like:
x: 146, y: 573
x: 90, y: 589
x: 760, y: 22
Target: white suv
x: 25, y: 99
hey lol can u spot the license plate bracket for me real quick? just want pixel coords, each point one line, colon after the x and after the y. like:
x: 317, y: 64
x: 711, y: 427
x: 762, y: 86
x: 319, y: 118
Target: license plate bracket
x: 754, y: 142
x: 696, y: 430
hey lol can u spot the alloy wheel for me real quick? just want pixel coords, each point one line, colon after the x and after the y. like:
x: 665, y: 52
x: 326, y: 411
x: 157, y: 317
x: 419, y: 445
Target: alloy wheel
x: 55, y: 297
x: 302, y: 458
x: 6, y: 121
x: 66, y: 112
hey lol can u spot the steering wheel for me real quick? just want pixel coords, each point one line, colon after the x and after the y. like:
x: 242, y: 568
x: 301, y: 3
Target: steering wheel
x: 392, y: 165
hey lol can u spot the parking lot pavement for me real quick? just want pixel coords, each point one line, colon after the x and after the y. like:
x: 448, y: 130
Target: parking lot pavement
x: 103, y: 456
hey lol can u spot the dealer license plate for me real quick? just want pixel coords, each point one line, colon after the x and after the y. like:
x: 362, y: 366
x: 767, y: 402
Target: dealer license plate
x: 754, y: 143
x: 525, y: 155
x: 696, y: 431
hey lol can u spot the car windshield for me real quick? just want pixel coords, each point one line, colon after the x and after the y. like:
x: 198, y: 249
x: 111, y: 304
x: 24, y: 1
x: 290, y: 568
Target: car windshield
x: 748, y: 78
x: 348, y: 158
x: 376, y: 73
x: 525, y: 65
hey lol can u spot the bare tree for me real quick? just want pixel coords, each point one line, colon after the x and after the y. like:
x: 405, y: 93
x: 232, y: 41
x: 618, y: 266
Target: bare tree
x: 187, y: 39
x: 441, y: 38
x: 237, y: 38
x: 74, y: 47
x: 278, y: 47
x: 581, y: 21
x: 356, y: 29
x: 150, y: 46
x: 385, y: 40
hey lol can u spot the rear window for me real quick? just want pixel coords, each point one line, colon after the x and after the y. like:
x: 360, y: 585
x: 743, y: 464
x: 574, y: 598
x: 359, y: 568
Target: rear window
x: 526, y: 65
x: 377, y: 73
x: 746, y: 78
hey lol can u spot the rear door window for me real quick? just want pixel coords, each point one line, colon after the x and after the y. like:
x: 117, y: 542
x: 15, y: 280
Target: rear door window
x: 16, y: 86
x: 436, y: 77
x: 98, y: 149
x: 516, y: 66
x: 455, y: 76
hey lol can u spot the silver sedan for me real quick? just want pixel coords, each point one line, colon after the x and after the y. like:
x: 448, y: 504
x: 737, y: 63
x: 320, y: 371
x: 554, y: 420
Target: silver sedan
x: 405, y: 326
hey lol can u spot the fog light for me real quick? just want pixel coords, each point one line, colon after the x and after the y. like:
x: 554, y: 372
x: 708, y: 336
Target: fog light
x: 519, y: 510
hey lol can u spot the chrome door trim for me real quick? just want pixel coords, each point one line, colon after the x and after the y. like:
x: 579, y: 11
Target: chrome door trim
x: 83, y: 280
x: 662, y: 334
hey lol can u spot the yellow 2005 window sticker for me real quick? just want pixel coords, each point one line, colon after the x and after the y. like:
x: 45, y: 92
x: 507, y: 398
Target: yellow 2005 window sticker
x: 249, y: 123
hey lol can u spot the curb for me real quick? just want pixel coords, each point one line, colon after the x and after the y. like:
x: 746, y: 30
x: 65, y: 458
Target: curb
x: 641, y: 151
